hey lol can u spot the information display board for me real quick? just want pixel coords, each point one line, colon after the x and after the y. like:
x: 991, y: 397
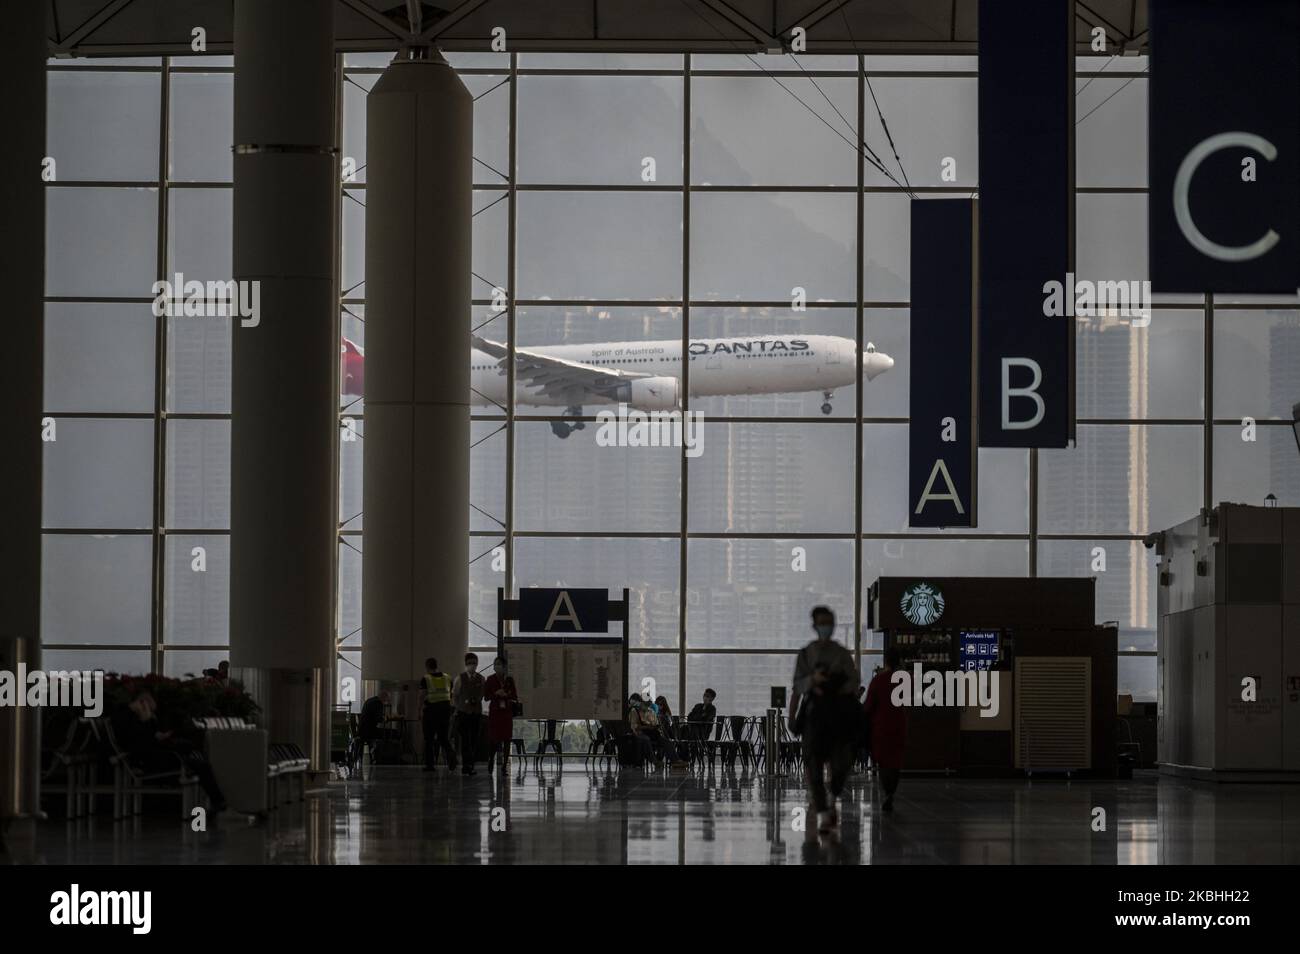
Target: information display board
x: 561, y: 667
x: 563, y: 677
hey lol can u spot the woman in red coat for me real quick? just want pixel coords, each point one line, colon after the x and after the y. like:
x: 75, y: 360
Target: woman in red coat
x: 499, y: 690
x: 888, y: 726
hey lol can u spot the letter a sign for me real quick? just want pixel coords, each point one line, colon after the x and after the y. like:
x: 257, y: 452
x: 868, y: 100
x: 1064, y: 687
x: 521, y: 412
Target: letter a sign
x: 582, y: 611
x: 941, y: 451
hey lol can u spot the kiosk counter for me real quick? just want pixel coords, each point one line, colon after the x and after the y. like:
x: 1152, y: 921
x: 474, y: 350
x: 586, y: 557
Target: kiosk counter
x: 1056, y: 672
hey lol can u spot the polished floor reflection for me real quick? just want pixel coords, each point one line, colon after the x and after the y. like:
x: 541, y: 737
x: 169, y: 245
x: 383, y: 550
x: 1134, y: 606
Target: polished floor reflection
x: 404, y: 816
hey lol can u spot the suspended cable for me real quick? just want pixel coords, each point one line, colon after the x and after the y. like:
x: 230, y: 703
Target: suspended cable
x: 858, y: 148
x: 486, y: 91
x: 883, y: 125
x: 862, y: 142
x: 1107, y: 99
x: 1091, y: 78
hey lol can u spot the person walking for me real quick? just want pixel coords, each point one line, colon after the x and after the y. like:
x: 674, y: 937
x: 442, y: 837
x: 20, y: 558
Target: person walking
x: 887, y: 728
x: 436, y: 715
x: 502, y: 697
x: 825, y: 686
x: 467, y: 697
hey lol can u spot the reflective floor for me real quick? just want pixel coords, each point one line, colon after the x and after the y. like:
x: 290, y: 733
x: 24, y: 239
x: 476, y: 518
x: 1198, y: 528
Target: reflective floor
x: 404, y: 816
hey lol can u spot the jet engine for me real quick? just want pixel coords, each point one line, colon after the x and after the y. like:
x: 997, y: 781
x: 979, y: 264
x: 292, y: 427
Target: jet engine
x: 650, y: 394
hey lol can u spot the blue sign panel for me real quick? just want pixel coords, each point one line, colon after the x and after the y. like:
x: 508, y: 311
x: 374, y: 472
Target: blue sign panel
x: 563, y: 611
x: 1224, y: 202
x: 1026, y: 213
x: 941, y: 438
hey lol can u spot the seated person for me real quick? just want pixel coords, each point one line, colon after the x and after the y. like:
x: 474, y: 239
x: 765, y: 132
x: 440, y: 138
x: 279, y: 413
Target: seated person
x: 664, y: 712
x: 703, y: 715
x: 371, y: 726
x: 653, y: 729
x: 670, y: 732
x: 140, y: 735
x: 636, y: 722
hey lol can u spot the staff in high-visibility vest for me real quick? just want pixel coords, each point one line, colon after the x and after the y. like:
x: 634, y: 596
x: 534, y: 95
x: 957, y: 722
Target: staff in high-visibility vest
x: 437, y: 715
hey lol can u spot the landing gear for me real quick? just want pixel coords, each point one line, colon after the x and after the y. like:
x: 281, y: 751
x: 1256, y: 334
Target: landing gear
x: 826, y: 402
x: 563, y: 429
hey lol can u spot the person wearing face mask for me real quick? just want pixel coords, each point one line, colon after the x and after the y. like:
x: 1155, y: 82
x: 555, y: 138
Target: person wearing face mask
x: 436, y: 715
x: 500, y: 692
x: 467, y: 697
x: 637, y: 722
x: 826, y: 684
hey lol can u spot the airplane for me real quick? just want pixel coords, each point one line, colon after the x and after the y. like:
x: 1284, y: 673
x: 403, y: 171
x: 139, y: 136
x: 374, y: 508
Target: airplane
x: 646, y: 375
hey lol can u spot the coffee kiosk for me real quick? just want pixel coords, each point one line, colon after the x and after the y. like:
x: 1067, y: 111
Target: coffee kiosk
x: 1056, y: 672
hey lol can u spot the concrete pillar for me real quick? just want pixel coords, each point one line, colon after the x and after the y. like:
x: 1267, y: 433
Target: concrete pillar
x: 285, y: 394
x: 22, y: 275
x: 415, y: 572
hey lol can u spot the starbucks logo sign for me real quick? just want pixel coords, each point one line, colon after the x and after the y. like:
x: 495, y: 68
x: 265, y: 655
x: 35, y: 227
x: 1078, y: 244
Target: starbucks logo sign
x: 922, y: 604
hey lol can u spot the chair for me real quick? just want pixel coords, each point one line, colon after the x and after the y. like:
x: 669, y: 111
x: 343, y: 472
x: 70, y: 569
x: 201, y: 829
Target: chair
x: 712, y: 738
x: 607, y: 735
x: 699, y: 741
x: 131, y: 782
x: 791, y: 748
x: 1129, y: 752
x: 63, y: 757
x: 341, y: 749
x: 358, y: 746
x: 548, y: 740
x: 596, y: 749
x: 751, y: 739
x: 736, y: 741
x: 286, y: 761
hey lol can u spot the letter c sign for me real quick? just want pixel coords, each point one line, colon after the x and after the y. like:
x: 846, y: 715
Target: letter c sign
x: 1182, y: 208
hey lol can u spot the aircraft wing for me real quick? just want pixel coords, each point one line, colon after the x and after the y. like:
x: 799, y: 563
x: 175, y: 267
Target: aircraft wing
x: 568, y: 382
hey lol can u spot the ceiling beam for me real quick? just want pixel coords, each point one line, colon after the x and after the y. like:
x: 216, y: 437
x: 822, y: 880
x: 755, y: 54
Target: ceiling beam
x: 444, y: 24
x: 105, y: 13
x: 377, y: 18
x: 1093, y: 18
x: 817, y: 15
x: 741, y: 22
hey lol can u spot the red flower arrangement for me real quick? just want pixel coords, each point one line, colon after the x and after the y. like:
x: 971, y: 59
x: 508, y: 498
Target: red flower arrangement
x: 181, y: 701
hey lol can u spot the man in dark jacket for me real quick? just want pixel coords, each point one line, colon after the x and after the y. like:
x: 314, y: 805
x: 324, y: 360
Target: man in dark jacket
x: 467, y: 697
x: 702, y: 716
x: 372, y: 726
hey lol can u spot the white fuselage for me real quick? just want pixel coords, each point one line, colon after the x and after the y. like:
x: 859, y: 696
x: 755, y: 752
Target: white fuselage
x: 757, y: 364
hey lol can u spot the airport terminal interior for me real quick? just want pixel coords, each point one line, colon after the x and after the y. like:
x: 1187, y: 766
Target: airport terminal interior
x: 766, y: 402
